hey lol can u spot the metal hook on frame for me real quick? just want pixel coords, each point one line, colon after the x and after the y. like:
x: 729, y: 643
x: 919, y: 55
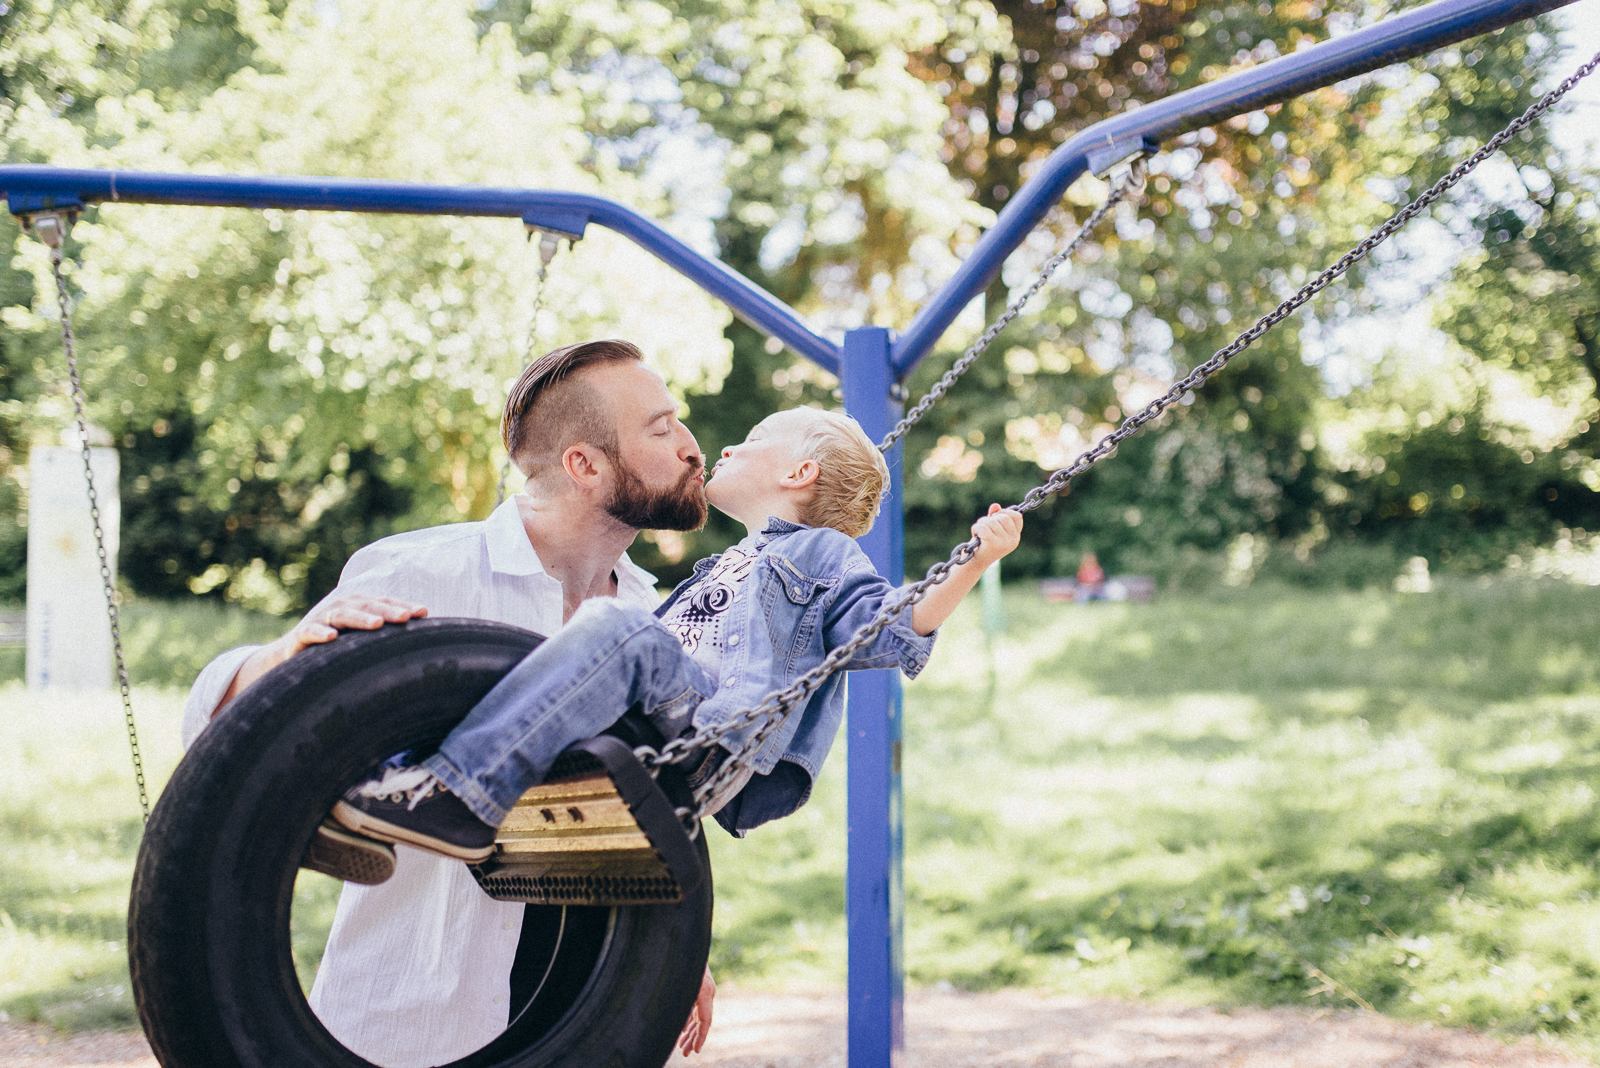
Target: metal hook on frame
x: 1129, y: 151
x: 51, y: 227
x: 550, y: 241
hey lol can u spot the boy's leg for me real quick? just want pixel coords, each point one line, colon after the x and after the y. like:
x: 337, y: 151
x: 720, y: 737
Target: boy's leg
x: 609, y: 657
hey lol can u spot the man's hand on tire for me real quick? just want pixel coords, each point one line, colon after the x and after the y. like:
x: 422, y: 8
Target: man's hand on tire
x: 353, y: 611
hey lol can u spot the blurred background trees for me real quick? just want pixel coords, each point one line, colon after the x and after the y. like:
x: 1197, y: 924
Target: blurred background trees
x: 287, y: 386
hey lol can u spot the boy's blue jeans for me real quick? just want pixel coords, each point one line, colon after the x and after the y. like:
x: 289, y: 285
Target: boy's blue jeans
x: 609, y: 657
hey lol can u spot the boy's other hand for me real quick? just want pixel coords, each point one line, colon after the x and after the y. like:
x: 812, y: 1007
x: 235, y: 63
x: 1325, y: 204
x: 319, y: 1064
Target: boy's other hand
x: 1000, y: 532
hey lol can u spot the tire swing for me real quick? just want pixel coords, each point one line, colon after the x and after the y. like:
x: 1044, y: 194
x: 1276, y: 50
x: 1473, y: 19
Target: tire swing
x: 208, y: 926
x: 615, y: 937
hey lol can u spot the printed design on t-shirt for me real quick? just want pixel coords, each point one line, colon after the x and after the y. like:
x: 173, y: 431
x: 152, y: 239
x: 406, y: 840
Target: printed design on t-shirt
x: 696, y: 619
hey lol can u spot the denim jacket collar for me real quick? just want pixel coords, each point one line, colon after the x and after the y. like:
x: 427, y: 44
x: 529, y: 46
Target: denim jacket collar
x: 777, y: 525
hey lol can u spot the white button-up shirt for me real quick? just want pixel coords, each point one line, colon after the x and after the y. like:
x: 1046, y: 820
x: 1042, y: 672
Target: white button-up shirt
x: 416, y: 970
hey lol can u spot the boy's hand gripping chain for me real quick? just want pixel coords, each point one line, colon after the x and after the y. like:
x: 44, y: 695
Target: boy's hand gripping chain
x: 773, y: 711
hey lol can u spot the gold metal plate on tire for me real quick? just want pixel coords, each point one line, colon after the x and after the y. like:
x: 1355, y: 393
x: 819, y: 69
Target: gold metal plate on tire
x: 575, y: 840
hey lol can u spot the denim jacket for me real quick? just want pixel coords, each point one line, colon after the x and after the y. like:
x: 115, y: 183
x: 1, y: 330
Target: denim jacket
x: 810, y: 589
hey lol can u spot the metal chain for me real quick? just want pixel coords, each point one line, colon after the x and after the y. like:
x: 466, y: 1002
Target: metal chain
x: 52, y: 230
x: 1204, y: 371
x: 777, y: 706
x: 1131, y: 181
x: 548, y: 243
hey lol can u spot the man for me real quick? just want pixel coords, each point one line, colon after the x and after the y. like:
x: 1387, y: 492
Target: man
x: 416, y: 969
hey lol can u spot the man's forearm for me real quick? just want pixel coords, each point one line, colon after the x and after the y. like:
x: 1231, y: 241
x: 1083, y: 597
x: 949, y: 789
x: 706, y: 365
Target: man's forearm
x: 261, y: 661
x: 352, y: 611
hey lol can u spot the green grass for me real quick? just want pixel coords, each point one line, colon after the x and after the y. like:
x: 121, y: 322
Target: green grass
x: 167, y: 643
x: 69, y: 829
x: 1263, y: 797
x: 1258, y: 797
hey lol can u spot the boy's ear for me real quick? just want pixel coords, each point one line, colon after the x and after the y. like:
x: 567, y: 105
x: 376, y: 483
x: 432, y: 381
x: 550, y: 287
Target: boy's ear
x: 802, y: 476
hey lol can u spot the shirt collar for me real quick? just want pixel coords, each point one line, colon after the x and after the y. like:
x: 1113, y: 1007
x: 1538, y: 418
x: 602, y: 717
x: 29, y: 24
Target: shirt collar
x: 511, y: 553
x: 631, y: 578
x: 776, y: 525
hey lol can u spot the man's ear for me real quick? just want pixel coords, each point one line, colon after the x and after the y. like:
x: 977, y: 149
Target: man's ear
x: 802, y: 476
x: 585, y: 465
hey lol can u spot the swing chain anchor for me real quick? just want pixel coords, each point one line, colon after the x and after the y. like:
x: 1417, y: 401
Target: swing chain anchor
x: 776, y: 708
x: 549, y: 243
x: 52, y: 228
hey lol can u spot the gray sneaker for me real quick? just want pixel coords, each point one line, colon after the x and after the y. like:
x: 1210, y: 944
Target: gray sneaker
x: 355, y: 859
x: 408, y: 806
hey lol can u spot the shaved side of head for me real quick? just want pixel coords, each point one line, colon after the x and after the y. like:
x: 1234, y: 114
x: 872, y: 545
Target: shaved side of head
x: 552, y: 408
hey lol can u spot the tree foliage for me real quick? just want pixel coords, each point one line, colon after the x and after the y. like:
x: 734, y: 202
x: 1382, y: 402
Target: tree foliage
x: 288, y: 386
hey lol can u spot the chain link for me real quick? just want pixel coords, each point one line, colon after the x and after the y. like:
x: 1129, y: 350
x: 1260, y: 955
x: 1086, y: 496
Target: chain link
x: 548, y: 243
x: 52, y: 230
x: 1198, y: 377
x: 776, y: 708
x: 1132, y: 181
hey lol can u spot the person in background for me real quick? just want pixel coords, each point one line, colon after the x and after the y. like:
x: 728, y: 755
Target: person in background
x: 1091, y: 580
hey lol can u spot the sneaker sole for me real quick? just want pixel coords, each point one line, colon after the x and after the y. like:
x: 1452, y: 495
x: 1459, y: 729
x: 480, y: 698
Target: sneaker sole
x: 354, y: 819
x: 350, y: 857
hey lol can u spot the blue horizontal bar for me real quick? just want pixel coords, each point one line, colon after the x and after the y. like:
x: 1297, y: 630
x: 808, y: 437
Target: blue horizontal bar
x: 1410, y: 34
x: 34, y: 188
x: 31, y: 188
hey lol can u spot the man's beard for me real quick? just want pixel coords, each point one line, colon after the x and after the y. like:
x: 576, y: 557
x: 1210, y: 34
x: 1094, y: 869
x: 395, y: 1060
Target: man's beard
x: 679, y: 507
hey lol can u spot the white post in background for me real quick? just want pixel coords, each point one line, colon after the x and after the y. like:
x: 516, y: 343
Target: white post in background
x: 69, y: 638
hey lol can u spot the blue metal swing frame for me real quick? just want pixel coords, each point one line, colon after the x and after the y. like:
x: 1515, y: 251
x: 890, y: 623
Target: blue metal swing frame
x: 869, y: 364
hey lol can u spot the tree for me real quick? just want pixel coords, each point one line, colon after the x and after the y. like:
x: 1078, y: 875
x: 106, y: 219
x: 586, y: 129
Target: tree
x: 844, y: 155
x: 291, y: 385
x: 1236, y: 218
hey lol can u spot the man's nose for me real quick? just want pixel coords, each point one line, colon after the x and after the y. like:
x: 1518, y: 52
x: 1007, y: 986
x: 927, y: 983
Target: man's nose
x: 688, y: 446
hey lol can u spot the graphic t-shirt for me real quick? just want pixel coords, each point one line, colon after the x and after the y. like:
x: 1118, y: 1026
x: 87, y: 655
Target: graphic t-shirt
x: 697, y: 616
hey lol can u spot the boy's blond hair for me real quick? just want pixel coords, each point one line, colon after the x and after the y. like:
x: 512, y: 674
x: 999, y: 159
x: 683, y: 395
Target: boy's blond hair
x: 849, y: 488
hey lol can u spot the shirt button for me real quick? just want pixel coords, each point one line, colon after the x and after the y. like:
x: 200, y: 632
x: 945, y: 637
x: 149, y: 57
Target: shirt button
x: 733, y: 639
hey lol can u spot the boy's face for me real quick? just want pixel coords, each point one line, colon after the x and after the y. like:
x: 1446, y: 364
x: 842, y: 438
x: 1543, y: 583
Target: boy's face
x: 749, y: 473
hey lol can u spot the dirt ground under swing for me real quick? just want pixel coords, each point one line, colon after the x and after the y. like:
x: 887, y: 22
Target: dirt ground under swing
x: 1010, y: 1029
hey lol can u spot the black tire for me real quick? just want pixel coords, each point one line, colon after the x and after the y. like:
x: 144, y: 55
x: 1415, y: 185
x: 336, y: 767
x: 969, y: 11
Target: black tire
x: 208, y: 921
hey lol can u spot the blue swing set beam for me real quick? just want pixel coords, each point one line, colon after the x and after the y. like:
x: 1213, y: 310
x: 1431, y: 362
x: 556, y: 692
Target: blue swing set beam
x: 869, y: 363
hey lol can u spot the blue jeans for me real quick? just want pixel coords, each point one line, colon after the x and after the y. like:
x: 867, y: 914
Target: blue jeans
x: 609, y: 657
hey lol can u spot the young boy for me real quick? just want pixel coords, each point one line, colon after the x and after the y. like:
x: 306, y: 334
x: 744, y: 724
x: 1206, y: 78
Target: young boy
x: 804, y: 483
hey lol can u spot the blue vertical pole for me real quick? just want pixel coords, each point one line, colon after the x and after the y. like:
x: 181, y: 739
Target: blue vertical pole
x: 874, y: 891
